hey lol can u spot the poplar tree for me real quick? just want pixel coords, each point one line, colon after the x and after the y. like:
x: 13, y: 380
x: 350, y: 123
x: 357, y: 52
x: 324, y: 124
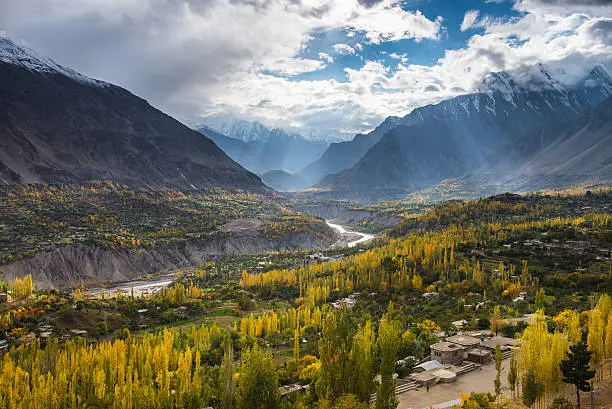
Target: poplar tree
x: 257, y: 381
x: 574, y: 331
x: 513, y: 375
x: 595, y: 338
x: 296, y: 344
x: 498, y: 370
x: 388, y: 334
x: 362, y: 357
x: 532, y: 389
x: 228, y: 395
x: 334, y: 350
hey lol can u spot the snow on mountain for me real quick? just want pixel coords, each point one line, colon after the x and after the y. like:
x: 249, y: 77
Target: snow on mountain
x: 13, y: 54
x: 238, y: 128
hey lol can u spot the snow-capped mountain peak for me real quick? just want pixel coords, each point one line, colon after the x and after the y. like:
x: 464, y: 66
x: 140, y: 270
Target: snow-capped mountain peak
x: 14, y: 54
x: 597, y: 77
x: 523, y: 80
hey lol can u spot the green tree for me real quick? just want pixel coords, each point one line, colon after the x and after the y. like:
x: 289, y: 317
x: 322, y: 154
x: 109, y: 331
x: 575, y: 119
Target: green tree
x: 228, y: 394
x: 540, y: 298
x: 513, y: 375
x: 362, y: 357
x: 576, y: 369
x: 344, y: 402
x: 257, y: 382
x: 334, y: 350
x: 532, y: 388
x: 296, y: 344
x: 496, y: 319
x: 561, y: 402
x: 498, y: 370
x: 388, y: 334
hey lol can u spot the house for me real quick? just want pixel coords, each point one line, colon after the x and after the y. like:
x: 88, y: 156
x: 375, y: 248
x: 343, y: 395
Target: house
x: 465, y: 341
x: 426, y: 366
x: 480, y: 355
x: 3, y: 298
x: 448, y: 353
x: 459, y: 324
x: 504, y: 343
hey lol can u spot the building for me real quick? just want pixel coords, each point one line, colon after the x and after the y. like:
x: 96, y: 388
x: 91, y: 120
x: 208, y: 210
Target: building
x: 3, y: 346
x: 426, y: 366
x: 465, y: 341
x: 459, y: 324
x: 290, y: 391
x: 3, y: 298
x: 448, y: 353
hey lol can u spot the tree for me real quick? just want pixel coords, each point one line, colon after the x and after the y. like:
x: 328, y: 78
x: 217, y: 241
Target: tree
x: 540, y: 298
x: 257, y: 382
x: 228, y: 394
x: 344, y: 402
x: 576, y: 369
x: 532, y: 389
x: 595, y: 338
x: 608, y: 341
x: 574, y: 332
x: 362, y: 357
x: 296, y: 344
x: 334, y: 350
x: 513, y: 374
x: 496, y: 319
x: 561, y: 402
x: 498, y: 369
x: 388, y: 334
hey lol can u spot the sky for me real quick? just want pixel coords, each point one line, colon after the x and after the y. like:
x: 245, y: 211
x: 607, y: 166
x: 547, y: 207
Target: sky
x: 324, y: 68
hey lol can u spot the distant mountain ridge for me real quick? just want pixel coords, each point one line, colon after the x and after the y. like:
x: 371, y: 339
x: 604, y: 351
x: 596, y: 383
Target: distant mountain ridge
x: 58, y: 126
x: 472, y: 134
x: 266, y: 149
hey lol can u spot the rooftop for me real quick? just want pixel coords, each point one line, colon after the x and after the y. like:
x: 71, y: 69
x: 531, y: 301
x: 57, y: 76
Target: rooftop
x: 463, y: 340
x: 446, y: 346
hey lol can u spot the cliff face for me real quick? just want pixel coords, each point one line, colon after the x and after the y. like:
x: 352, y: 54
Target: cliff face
x: 66, y: 266
x: 354, y: 219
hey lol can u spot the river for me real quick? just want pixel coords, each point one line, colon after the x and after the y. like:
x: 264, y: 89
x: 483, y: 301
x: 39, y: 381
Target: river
x: 142, y: 287
x: 363, y: 237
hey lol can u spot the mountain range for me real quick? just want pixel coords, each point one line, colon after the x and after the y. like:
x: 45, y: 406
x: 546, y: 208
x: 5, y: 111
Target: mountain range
x: 522, y: 129
x: 515, y: 126
x: 265, y: 149
x: 58, y: 126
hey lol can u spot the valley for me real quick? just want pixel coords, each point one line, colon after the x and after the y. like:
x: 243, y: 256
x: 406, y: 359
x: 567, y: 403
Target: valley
x: 465, y: 246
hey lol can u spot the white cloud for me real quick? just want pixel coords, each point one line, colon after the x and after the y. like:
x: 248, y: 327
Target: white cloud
x: 343, y: 49
x: 397, y: 56
x: 358, y: 47
x: 293, y: 66
x: 194, y: 58
x: 469, y: 19
x: 326, y: 57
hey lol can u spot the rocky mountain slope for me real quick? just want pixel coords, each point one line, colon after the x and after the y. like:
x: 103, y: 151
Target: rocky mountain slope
x: 66, y: 266
x: 514, y: 116
x: 58, y: 126
x: 343, y: 155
